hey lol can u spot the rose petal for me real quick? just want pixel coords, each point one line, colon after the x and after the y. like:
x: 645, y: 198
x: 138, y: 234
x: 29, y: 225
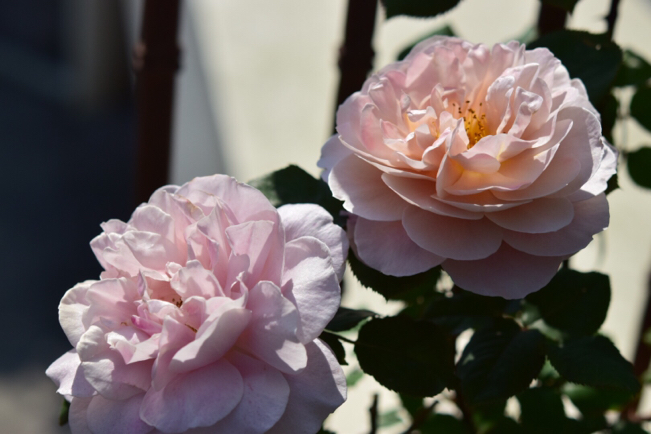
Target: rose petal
x: 77, y: 415
x: 106, y: 416
x: 71, y: 311
x: 508, y: 273
x: 67, y: 375
x: 540, y: 216
x: 332, y: 153
x: 386, y: 247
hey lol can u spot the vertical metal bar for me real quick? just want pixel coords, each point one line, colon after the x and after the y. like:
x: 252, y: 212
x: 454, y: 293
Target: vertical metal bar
x: 156, y: 60
x: 356, y: 53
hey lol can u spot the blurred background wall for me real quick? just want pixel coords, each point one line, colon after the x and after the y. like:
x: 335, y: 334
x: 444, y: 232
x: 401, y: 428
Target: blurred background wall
x: 255, y: 92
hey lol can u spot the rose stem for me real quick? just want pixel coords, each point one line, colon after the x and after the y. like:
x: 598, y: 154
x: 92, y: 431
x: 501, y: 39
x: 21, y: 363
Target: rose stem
x: 550, y: 19
x: 155, y: 60
x: 612, y: 17
x: 356, y: 53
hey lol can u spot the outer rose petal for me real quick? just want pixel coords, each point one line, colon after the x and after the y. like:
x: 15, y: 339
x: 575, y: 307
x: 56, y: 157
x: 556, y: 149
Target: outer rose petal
x: 112, y: 378
x: 71, y: 310
x: 332, y: 153
x: 360, y: 186
x: 311, y: 284
x: 314, y: 393
x: 307, y: 219
x: 264, y: 401
x: 199, y: 398
x: 77, y: 415
x: 393, y: 252
x: 507, y: 273
x: 107, y: 416
x: 66, y: 374
x: 540, y: 216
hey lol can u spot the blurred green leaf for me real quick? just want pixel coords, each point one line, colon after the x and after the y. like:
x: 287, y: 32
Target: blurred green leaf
x: 418, y: 8
x: 325, y: 431
x: 346, y: 319
x: 638, y: 164
x: 465, y: 310
x: 500, y: 361
x: 591, y: 401
x: 391, y: 287
x: 443, y: 423
x: 623, y: 427
x: 353, y: 377
x: 443, y: 31
x: 613, y: 184
x: 574, y: 302
x: 593, y: 361
x: 389, y: 418
x: 567, y: 5
x: 593, y: 58
x: 294, y: 185
x: 335, y: 345
x: 63, y: 415
x: 542, y: 412
x: 641, y: 107
x: 635, y: 70
x: 407, y: 356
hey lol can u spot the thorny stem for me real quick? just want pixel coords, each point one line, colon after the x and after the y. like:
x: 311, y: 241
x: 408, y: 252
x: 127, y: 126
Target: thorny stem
x: 611, y: 18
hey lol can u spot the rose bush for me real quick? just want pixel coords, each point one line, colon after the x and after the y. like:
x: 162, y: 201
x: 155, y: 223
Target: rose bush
x: 206, y: 318
x: 488, y: 161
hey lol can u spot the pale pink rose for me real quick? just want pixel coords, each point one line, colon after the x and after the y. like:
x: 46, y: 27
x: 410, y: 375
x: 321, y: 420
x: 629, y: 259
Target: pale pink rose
x: 488, y: 161
x: 207, y: 317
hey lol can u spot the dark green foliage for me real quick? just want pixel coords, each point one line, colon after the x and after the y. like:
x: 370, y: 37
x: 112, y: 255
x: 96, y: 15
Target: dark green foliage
x: 63, y: 415
x: 593, y: 361
x: 391, y: 287
x: 542, y: 412
x: 346, y: 319
x: 465, y: 310
x: 411, y: 403
x: 443, y: 31
x: 595, y: 59
x: 628, y: 428
x: 407, y: 356
x: 335, y: 345
x: 418, y: 8
x: 573, y: 302
x: 294, y: 185
x: 567, y: 5
x: 443, y: 423
x: 635, y: 71
x: 594, y: 402
x: 641, y: 107
x: 500, y: 361
x: 608, y: 110
x: 639, y: 166
x: 325, y: 431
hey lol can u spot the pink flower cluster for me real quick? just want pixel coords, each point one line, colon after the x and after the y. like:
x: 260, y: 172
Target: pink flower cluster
x: 206, y: 318
x: 488, y: 161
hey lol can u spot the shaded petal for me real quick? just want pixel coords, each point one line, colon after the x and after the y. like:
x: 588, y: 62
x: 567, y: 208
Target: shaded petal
x: 114, y: 379
x: 386, y: 247
x: 198, y: 398
x: 360, y: 186
x: 66, y: 373
x: 332, y: 152
x: 264, y: 401
x: 71, y: 311
x: 271, y: 335
x: 508, y: 273
x: 314, y: 393
x: 262, y: 242
x: 173, y: 337
x: 599, y: 181
x: 450, y: 237
x: 590, y: 217
x: 77, y: 415
x: 310, y: 282
x: 308, y: 219
x: 542, y: 215
x: 194, y: 280
x: 108, y: 417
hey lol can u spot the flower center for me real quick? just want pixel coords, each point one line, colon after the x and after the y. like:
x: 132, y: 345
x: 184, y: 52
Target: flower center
x: 475, y: 126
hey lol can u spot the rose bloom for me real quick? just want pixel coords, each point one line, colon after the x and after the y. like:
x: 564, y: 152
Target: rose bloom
x: 206, y: 318
x: 488, y: 161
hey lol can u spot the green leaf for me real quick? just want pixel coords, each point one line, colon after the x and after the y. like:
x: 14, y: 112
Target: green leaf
x: 639, y: 166
x: 465, y: 310
x: 389, y: 418
x: 542, y: 411
x: 353, y: 377
x: 641, y: 107
x: 608, y: 109
x: 567, y: 5
x: 325, y: 431
x: 407, y: 356
x: 623, y: 427
x: 500, y: 361
x: 595, y: 59
x: 346, y: 319
x: 335, y: 345
x: 418, y: 8
x: 574, y: 302
x: 592, y: 402
x: 443, y: 31
x: 391, y: 287
x: 443, y: 423
x: 411, y: 403
x: 593, y: 361
x: 635, y: 70
x: 294, y: 185
x: 63, y: 415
